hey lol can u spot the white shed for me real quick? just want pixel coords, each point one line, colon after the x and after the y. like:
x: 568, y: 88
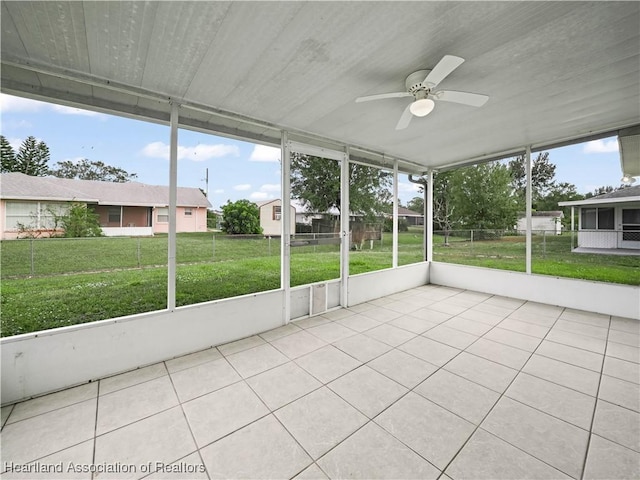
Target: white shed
x: 271, y: 217
x: 550, y: 222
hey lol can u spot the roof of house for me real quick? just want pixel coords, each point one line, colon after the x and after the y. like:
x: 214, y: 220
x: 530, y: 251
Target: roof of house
x: 18, y: 186
x: 625, y: 195
x: 405, y: 212
x: 543, y: 213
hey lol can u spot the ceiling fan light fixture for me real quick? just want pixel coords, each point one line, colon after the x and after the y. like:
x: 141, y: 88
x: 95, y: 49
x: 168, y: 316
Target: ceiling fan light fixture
x: 628, y: 179
x: 422, y: 107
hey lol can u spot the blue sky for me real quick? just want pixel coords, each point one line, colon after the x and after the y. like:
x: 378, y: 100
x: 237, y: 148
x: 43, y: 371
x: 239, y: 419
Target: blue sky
x: 236, y: 169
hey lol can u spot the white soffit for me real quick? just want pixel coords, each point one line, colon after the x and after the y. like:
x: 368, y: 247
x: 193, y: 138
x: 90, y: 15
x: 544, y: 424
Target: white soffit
x: 554, y: 71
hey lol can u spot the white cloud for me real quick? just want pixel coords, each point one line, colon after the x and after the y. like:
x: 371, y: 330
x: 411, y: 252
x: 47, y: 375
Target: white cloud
x: 601, y: 146
x: 243, y: 187
x: 9, y: 103
x: 270, y: 187
x: 263, y: 153
x: 408, y: 187
x: 259, y: 196
x: 199, y: 153
x: 75, y: 111
x: 218, y: 191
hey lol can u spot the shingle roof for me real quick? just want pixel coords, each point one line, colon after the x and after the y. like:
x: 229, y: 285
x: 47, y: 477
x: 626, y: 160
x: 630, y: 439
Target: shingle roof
x: 623, y: 193
x: 18, y: 186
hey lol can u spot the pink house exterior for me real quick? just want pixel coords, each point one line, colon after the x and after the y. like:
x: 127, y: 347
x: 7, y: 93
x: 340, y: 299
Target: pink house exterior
x: 124, y: 209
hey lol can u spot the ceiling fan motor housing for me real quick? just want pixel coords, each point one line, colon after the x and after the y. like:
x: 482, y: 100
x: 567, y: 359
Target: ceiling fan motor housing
x: 413, y: 83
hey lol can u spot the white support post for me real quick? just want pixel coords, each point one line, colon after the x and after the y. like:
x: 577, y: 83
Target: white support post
x: 285, y: 216
x: 394, y: 255
x: 572, y: 225
x: 428, y: 217
x: 173, y: 200
x: 345, y: 242
x: 121, y: 214
x: 528, y: 210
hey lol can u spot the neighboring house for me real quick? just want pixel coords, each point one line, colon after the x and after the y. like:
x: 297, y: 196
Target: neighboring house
x: 125, y: 209
x: 412, y: 218
x: 542, y: 221
x: 609, y: 221
x: 271, y: 217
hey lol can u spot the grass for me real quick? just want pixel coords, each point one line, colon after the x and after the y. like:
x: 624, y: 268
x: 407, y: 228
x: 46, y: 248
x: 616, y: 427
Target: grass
x: 550, y: 255
x: 68, y: 285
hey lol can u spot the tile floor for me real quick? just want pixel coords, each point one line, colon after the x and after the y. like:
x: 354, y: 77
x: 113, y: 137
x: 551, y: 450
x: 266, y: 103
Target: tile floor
x: 429, y: 383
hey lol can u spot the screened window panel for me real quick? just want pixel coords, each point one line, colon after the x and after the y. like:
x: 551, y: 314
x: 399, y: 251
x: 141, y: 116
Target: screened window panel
x: 606, y: 219
x: 588, y: 220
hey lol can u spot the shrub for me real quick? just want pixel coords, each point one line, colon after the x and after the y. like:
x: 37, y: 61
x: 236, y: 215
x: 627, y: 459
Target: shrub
x: 241, y: 217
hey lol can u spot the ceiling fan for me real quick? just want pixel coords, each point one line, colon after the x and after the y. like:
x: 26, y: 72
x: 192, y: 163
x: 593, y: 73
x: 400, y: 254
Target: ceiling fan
x: 420, y: 85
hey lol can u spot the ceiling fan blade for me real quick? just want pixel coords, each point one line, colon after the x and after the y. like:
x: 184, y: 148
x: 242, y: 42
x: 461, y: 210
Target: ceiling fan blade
x: 445, y: 66
x: 381, y: 96
x: 405, y: 118
x: 466, y: 98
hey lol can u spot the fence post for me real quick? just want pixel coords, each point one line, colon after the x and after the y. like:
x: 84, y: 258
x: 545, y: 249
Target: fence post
x: 269, y: 237
x: 213, y: 254
x: 471, y: 232
x: 138, y: 253
x: 314, y: 243
x: 544, y: 244
x: 33, y: 269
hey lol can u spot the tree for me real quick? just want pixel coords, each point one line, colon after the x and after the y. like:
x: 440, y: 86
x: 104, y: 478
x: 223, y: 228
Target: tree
x: 85, y: 169
x: 315, y: 182
x: 416, y: 204
x: 482, y: 197
x: 241, y: 217
x: 443, y: 203
x: 32, y: 158
x: 603, y: 190
x: 80, y: 221
x: 542, y: 175
x: 560, y: 192
x: 8, y: 156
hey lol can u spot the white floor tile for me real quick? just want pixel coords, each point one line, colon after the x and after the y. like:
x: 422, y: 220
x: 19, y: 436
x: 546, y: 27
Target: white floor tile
x: 320, y: 420
x: 367, y: 390
x: 372, y: 453
x: 256, y: 360
x: 208, y: 377
x: 458, y: 395
x: 553, y: 441
x: 134, y: 403
x: 283, y: 384
x: 433, y: 432
x: 163, y: 438
x: 328, y: 363
x: 263, y: 449
x: 405, y: 369
x: 487, y: 457
x: 609, y: 460
x: 217, y: 414
x: 42, y: 435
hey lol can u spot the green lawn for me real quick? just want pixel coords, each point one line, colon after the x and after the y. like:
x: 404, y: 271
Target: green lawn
x: 550, y: 255
x: 84, y: 280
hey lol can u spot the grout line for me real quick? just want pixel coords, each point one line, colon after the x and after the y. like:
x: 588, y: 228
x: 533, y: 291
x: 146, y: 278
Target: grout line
x: 186, y: 420
x: 595, y: 407
x: 95, y: 428
x: 502, y: 395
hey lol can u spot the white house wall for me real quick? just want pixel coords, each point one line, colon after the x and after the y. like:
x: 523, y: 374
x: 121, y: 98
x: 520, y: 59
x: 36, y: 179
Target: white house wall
x: 599, y: 297
x: 598, y: 239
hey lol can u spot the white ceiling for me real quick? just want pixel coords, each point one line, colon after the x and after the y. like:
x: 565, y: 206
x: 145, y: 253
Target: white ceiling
x: 555, y: 71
